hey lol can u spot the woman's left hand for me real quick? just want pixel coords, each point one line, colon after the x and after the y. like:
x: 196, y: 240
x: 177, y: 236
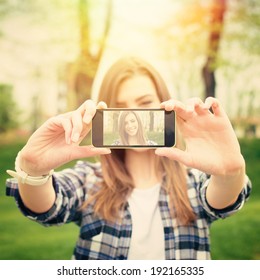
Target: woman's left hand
x: 211, y: 143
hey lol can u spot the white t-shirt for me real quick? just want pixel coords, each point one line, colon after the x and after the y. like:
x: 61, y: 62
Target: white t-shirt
x: 147, y: 240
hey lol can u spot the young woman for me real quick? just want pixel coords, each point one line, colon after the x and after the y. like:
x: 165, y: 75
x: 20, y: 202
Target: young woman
x: 131, y: 130
x: 134, y: 203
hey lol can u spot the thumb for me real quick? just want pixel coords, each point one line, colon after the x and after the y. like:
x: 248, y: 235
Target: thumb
x: 174, y: 154
x: 78, y: 152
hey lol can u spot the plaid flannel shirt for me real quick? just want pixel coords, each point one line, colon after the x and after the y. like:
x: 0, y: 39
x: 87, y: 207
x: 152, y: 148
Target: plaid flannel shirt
x: 99, y: 239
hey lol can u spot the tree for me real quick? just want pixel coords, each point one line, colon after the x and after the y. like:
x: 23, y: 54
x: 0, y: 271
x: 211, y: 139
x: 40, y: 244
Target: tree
x: 35, y: 55
x: 239, y: 58
x: 184, y: 37
x: 207, y: 37
x: 81, y: 72
x: 8, y: 109
x: 217, y: 12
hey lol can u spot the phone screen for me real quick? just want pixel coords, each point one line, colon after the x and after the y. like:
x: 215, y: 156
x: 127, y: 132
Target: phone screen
x: 126, y: 128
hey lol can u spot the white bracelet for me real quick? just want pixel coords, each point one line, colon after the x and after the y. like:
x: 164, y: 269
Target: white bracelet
x: 24, y: 178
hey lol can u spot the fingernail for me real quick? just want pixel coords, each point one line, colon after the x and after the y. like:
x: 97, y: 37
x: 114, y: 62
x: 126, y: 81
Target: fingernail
x: 68, y: 141
x: 189, y: 108
x: 87, y: 119
x: 101, y: 150
x: 107, y: 151
x: 158, y: 152
x: 104, y: 151
x: 75, y: 137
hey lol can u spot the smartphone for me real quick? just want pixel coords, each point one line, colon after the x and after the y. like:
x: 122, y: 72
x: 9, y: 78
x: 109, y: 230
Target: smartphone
x: 133, y: 128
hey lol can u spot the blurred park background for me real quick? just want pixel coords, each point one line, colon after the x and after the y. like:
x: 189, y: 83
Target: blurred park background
x: 50, y: 52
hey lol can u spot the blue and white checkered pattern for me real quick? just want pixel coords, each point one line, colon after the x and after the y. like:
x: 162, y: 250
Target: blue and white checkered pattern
x: 99, y: 239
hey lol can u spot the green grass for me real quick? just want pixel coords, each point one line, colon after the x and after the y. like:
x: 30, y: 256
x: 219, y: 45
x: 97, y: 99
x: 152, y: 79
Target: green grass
x: 22, y: 239
x: 237, y: 237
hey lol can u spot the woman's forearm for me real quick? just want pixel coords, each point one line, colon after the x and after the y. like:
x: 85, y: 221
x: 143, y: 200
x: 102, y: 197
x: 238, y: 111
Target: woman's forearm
x: 38, y: 199
x: 223, y: 190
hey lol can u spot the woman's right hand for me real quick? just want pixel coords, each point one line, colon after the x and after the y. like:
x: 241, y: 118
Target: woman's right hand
x: 57, y: 141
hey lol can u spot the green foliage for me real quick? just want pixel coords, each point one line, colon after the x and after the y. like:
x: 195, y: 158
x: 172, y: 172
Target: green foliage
x: 8, y: 109
x: 245, y: 14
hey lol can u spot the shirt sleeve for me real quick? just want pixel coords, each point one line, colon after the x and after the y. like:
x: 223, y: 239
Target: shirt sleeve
x: 214, y: 214
x: 71, y: 187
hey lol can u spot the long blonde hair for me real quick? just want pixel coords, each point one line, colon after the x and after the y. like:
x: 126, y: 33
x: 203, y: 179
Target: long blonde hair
x: 111, y: 198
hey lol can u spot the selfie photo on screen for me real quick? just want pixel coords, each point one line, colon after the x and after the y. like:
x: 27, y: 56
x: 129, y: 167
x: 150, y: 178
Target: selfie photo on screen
x: 134, y: 128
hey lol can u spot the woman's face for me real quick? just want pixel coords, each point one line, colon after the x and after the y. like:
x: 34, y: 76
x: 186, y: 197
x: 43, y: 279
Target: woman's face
x: 131, y: 124
x: 137, y: 92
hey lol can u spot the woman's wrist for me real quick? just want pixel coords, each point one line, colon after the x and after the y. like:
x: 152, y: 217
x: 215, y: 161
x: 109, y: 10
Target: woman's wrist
x: 26, y: 178
x: 29, y: 165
